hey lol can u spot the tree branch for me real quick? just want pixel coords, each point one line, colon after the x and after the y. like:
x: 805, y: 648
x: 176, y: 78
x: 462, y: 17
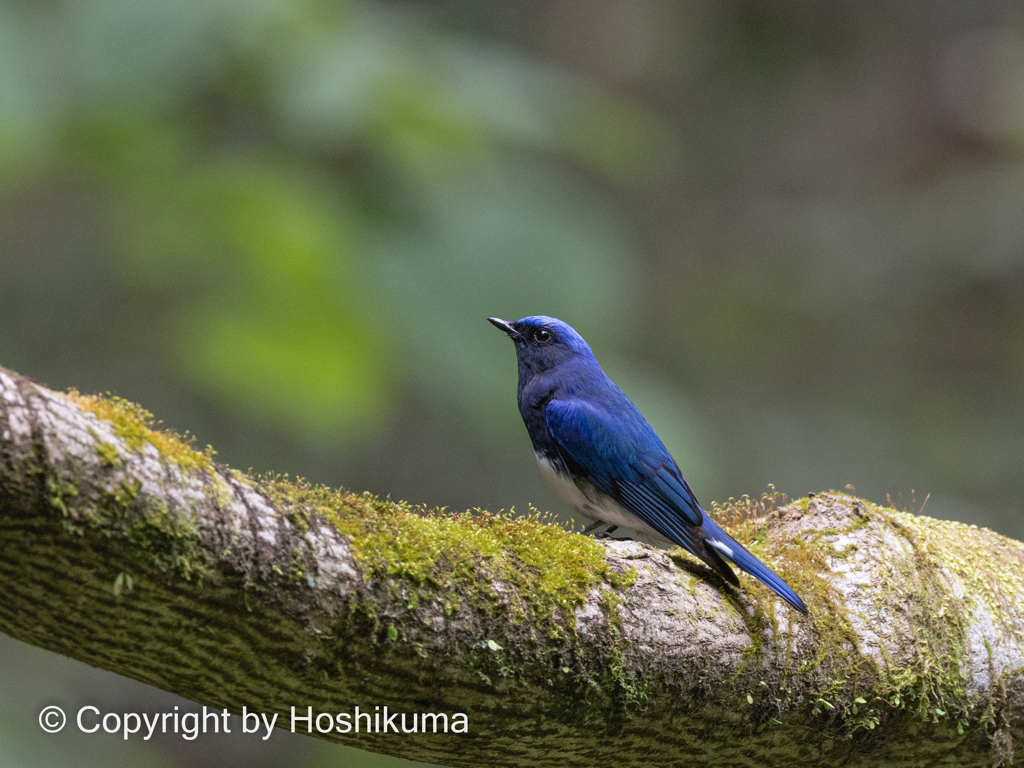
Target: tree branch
x: 123, y: 548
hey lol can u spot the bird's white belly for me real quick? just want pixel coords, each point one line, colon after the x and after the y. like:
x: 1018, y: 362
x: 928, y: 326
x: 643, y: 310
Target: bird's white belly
x: 594, y: 505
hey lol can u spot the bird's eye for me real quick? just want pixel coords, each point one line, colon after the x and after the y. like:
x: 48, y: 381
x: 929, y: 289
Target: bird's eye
x: 542, y: 336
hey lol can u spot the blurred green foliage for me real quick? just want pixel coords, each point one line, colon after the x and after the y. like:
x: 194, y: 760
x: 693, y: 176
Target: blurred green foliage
x: 303, y: 193
x: 792, y: 232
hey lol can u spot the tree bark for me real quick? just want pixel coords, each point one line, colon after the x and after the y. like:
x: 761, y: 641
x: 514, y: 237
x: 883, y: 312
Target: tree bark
x: 121, y: 548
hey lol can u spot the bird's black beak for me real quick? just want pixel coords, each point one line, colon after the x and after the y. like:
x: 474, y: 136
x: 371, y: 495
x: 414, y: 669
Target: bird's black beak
x: 506, y: 326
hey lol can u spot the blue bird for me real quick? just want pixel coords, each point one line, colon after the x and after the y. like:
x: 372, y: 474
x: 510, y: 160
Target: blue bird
x: 605, y: 460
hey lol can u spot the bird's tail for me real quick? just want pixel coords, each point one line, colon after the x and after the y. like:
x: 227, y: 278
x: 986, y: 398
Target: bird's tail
x: 721, y: 543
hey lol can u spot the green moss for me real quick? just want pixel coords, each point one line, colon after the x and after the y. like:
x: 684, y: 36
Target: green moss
x: 62, y: 494
x: 136, y: 427
x: 109, y: 457
x: 444, y: 553
x: 519, y: 581
x: 627, y: 691
x: 848, y: 688
x: 974, y: 555
x: 298, y: 570
x: 523, y: 573
x: 169, y: 540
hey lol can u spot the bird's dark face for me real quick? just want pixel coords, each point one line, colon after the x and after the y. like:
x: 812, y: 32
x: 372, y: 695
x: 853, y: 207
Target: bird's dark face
x: 542, y: 343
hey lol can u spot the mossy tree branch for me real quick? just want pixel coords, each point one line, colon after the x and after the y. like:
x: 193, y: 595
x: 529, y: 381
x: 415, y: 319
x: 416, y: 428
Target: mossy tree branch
x: 123, y: 548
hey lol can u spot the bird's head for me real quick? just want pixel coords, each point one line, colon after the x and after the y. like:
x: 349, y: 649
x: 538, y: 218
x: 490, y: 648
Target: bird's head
x: 543, y: 342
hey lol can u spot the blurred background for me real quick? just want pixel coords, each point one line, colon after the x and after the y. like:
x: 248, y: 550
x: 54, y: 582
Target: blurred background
x: 793, y: 233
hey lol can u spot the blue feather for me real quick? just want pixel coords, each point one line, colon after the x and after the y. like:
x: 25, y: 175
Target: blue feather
x: 750, y: 564
x: 619, y: 471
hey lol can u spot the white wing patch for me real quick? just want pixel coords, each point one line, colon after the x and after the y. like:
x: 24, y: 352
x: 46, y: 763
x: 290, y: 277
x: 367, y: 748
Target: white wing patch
x: 724, y: 549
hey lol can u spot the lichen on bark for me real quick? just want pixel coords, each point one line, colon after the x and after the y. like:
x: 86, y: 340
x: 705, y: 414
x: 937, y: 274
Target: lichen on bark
x: 124, y: 547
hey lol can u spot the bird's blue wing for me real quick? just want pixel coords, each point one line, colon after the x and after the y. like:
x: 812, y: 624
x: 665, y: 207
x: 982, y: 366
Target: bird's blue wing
x: 626, y: 460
